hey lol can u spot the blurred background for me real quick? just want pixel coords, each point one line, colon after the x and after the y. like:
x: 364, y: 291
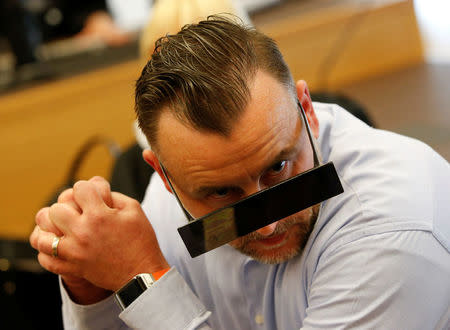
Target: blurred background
x: 67, y: 73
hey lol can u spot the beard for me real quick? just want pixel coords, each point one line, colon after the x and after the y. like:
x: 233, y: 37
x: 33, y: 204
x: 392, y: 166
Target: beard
x: 297, y: 227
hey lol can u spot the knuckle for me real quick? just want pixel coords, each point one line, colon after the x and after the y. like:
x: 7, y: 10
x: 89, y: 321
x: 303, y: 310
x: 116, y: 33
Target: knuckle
x: 40, y: 244
x: 65, y: 195
x: 96, y: 215
x: 98, y: 178
x: 101, y: 183
x: 83, y: 238
x: 40, y: 215
x: 79, y: 185
x: 136, y: 218
x: 53, y: 212
x: 135, y: 205
x: 54, y: 208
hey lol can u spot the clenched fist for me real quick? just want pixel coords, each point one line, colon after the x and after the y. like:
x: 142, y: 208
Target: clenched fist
x: 106, y: 239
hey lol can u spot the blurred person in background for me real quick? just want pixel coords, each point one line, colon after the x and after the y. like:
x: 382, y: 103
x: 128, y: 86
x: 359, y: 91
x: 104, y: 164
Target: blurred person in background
x: 29, y: 24
x: 22, y: 31
x: 62, y: 19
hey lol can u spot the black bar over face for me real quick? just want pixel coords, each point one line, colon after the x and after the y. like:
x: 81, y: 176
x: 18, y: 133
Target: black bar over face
x: 262, y: 208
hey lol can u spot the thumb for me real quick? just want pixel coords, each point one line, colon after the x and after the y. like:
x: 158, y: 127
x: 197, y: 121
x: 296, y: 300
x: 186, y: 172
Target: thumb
x: 104, y: 189
x: 87, y: 196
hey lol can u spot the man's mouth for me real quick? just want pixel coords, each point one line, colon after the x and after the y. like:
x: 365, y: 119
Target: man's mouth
x: 274, y: 240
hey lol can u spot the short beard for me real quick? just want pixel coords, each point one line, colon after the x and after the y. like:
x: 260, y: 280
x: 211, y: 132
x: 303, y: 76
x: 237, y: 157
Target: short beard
x: 303, y: 222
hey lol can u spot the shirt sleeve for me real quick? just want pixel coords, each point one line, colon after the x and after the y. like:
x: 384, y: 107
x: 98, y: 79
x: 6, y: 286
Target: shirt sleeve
x: 393, y: 280
x: 101, y: 315
x: 168, y: 304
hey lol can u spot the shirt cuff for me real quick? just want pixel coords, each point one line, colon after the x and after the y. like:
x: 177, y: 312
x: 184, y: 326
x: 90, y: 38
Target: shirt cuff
x: 168, y: 304
x: 103, y: 314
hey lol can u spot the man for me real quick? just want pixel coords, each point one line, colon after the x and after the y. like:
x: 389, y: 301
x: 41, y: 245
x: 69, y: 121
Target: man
x: 219, y: 108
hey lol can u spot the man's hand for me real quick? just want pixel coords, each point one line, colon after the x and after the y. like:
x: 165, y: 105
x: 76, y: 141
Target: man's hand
x: 99, y: 26
x: 106, y: 239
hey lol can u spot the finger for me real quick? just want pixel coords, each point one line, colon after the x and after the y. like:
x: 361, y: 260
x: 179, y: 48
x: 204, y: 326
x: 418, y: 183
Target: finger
x: 87, y: 196
x: 103, y: 188
x: 67, y: 197
x: 63, y: 218
x: 43, y: 221
x: 43, y: 242
x: 58, y: 265
x: 34, y: 237
x: 121, y: 201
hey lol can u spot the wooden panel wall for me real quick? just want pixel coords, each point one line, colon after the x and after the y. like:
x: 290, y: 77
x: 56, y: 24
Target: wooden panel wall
x: 345, y: 41
x: 42, y: 128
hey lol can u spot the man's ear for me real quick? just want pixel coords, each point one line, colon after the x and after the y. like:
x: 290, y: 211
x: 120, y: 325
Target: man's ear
x: 305, y: 99
x: 151, y: 158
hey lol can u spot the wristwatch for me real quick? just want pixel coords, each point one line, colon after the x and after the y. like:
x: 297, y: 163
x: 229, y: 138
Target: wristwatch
x: 135, y: 287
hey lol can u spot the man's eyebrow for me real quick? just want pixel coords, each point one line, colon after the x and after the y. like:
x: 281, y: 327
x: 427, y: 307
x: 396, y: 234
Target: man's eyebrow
x: 284, y: 154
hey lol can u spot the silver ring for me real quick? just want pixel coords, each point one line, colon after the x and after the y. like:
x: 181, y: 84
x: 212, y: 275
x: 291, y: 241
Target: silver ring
x: 55, y: 243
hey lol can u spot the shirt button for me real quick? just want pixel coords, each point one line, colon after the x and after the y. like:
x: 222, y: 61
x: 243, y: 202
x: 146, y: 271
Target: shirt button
x: 259, y: 319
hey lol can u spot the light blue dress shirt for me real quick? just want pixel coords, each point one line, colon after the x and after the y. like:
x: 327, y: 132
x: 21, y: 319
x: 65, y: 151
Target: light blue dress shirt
x: 378, y: 257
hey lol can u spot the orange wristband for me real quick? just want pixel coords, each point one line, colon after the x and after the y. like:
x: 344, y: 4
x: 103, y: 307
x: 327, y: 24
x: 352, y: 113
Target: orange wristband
x: 157, y: 275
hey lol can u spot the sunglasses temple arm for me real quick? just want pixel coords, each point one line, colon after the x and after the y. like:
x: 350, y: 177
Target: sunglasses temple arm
x: 186, y: 213
x: 316, y: 152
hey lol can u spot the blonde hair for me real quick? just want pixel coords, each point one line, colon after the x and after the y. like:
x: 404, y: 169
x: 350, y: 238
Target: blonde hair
x: 169, y: 16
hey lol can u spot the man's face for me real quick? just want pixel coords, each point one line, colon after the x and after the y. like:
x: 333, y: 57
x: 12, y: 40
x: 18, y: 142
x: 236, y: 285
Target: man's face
x: 268, y: 144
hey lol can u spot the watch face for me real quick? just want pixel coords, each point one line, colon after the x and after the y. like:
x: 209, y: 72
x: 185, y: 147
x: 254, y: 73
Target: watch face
x: 129, y: 293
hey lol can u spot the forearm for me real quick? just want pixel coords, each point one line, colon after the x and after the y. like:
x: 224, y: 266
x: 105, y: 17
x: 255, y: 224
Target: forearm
x: 84, y: 293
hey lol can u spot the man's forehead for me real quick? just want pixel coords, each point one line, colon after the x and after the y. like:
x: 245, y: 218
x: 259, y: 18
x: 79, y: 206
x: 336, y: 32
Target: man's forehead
x: 201, y: 159
x: 266, y: 128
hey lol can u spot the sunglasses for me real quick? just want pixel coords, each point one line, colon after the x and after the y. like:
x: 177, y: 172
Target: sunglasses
x: 262, y: 208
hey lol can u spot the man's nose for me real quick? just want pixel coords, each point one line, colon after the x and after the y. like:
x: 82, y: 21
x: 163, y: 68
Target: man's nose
x: 268, y: 230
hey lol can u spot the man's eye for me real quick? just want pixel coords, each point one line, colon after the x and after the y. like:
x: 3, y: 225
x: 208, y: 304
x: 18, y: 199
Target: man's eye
x: 276, y: 173
x: 278, y: 167
x: 222, y: 192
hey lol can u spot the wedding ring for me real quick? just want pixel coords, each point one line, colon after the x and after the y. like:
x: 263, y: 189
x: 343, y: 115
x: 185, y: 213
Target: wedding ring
x: 55, y: 243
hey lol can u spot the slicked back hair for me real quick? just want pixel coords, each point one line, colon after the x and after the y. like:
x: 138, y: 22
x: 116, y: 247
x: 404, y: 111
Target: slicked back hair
x: 202, y: 75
